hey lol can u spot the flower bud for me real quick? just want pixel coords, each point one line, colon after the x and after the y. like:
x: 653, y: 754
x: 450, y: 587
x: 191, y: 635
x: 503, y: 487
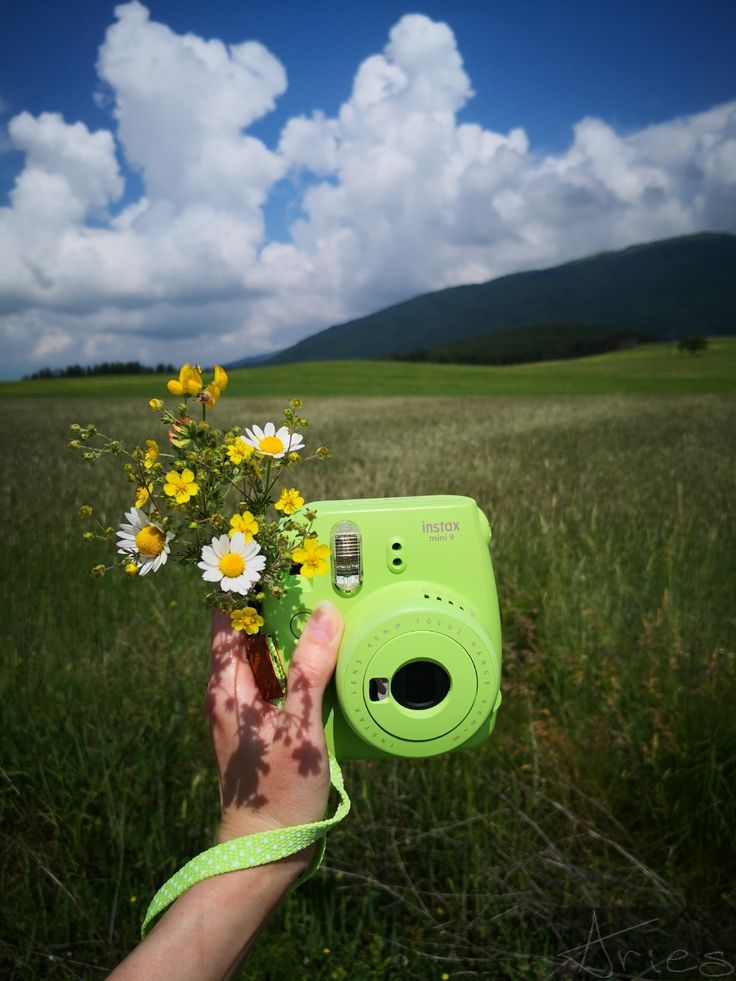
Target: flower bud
x: 156, y: 404
x: 97, y: 571
x: 85, y: 511
x: 73, y: 444
x: 131, y: 569
x: 75, y: 427
x: 88, y: 536
x: 296, y: 403
x: 322, y: 452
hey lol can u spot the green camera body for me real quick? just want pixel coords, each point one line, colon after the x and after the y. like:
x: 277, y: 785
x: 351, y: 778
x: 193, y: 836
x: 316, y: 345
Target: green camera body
x: 419, y: 669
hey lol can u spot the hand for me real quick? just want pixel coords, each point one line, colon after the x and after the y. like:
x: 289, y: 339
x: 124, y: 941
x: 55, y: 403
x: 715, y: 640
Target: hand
x: 272, y: 762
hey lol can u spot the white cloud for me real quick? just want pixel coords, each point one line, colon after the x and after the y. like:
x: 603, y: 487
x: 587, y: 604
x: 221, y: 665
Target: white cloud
x: 52, y: 342
x: 395, y: 197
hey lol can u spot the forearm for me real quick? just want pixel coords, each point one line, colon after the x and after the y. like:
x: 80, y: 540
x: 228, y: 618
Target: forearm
x: 207, y: 932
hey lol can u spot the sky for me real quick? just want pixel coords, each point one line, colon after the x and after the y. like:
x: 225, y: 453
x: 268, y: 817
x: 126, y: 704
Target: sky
x: 182, y: 181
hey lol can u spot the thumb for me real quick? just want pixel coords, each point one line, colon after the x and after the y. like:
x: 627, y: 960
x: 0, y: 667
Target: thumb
x: 315, y: 657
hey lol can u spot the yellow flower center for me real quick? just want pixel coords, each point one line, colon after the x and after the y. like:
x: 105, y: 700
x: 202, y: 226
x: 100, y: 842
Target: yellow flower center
x: 272, y: 444
x: 150, y: 541
x: 231, y: 565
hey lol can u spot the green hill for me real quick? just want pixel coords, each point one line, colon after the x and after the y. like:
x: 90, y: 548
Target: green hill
x: 648, y: 369
x: 670, y: 288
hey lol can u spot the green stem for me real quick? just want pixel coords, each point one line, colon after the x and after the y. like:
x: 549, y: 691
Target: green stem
x: 266, y: 498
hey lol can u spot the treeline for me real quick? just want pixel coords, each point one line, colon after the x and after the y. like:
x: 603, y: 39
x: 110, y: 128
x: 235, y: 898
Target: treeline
x: 103, y: 368
x: 533, y: 342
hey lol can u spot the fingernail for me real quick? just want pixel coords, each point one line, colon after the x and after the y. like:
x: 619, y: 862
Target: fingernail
x: 322, y: 625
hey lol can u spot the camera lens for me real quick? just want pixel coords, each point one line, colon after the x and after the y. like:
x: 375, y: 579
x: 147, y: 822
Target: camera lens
x: 420, y: 685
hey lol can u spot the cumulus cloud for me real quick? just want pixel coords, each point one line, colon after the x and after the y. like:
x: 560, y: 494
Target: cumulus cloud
x: 394, y: 196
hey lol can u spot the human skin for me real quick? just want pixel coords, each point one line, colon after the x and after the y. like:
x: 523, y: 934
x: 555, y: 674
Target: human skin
x: 273, y: 769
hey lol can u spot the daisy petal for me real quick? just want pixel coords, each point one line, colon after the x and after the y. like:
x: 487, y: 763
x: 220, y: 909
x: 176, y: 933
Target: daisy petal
x: 219, y: 548
x: 237, y: 544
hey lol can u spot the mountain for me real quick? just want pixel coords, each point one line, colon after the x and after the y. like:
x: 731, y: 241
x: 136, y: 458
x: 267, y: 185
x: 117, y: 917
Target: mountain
x: 247, y: 362
x: 668, y: 288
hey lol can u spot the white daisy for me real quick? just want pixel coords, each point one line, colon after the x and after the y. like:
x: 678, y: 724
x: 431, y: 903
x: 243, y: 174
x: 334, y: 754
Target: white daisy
x: 233, y: 562
x: 146, y: 540
x: 270, y: 442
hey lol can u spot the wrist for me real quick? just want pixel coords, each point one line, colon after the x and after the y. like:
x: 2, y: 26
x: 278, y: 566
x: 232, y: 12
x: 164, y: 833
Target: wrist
x: 274, y: 879
x: 235, y: 826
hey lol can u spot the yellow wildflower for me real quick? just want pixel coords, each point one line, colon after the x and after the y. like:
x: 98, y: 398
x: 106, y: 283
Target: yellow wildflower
x: 245, y: 523
x: 215, y: 388
x: 290, y: 501
x: 312, y: 556
x: 151, y: 453
x: 221, y: 378
x: 239, y: 451
x: 180, y: 486
x: 246, y: 619
x: 144, y: 494
x: 189, y: 383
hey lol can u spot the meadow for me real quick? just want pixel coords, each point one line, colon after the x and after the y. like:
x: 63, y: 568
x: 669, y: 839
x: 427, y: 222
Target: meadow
x: 604, y: 805
x: 648, y: 369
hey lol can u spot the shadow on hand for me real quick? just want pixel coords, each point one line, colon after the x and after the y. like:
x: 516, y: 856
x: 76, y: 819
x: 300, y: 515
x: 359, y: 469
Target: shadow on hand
x: 259, y: 725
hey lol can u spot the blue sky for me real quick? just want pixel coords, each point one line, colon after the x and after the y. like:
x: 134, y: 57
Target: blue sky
x: 588, y: 127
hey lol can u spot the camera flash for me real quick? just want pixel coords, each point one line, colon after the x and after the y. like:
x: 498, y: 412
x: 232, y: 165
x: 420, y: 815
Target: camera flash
x: 347, y: 566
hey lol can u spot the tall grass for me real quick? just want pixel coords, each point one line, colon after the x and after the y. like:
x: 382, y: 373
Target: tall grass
x: 608, y: 785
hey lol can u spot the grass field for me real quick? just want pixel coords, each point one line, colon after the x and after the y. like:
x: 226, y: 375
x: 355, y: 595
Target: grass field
x: 649, y: 369
x: 609, y: 785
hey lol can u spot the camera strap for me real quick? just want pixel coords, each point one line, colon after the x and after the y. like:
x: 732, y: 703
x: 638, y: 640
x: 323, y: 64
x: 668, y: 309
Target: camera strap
x: 252, y: 850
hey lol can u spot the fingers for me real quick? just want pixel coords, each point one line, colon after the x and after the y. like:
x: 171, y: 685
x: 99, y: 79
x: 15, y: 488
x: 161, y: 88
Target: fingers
x: 223, y: 635
x: 230, y: 672
x: 314, y: 659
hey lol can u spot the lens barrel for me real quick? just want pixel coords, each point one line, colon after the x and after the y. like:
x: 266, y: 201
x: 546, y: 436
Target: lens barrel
x: 420, y: 685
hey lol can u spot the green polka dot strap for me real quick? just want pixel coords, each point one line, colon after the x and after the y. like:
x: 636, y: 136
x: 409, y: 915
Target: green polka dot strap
x: 252, y: 850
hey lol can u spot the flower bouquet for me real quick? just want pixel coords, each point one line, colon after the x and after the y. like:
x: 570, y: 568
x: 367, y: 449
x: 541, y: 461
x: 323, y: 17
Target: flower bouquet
x: 211, y: 499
